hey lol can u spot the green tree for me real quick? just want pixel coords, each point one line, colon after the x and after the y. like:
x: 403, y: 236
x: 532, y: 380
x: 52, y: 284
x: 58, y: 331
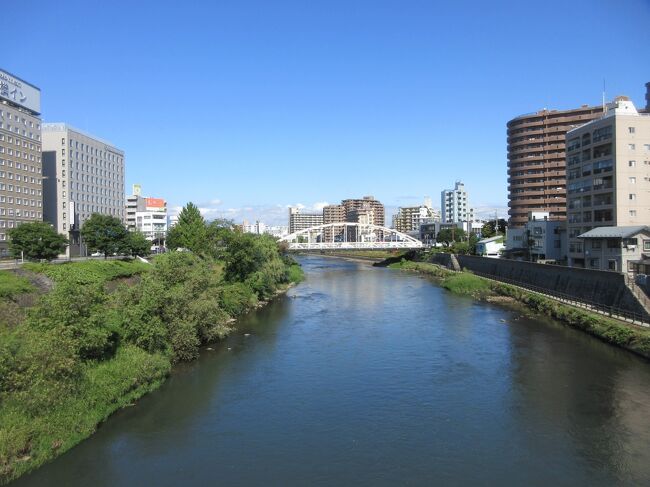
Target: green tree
x: 105, y: 234
x: 487, y: 230
x: 448, y: 236
x: 218, y: 233
x: 137, y: 244
x: 36, y: 240
x: 190, y: 232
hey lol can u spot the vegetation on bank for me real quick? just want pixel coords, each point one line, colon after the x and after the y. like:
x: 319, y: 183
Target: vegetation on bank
x: 609, y: 330
x: 88, y: 348
x: 12, y: 285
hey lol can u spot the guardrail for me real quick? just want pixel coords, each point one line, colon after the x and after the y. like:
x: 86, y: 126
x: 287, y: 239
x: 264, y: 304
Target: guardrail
x: 638, y: 319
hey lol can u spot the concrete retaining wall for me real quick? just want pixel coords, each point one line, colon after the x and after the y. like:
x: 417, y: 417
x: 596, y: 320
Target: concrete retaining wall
x: 601, y: 287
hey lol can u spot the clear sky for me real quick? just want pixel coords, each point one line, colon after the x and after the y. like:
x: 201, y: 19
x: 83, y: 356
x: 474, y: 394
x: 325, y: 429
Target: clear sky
x: 245, y: 107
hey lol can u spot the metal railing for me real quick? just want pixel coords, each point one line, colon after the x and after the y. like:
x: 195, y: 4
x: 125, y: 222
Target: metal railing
x: 639, y: 319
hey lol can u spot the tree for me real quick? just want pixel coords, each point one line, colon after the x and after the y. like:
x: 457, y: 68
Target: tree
x: 105, y: 234
x: 36, y: 240
x: 218, y: 233
x: 190, y: 232
x: 487, y: 230
x: 448, y: 236
x: 137, y: 244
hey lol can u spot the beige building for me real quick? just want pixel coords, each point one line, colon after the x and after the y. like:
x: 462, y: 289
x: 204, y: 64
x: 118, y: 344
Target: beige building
x: 608, y: 177
x: 409, y: 218
x: 84, y: 175
x: 333, y: 214
x: 367, y: 209
x: 21, y: 191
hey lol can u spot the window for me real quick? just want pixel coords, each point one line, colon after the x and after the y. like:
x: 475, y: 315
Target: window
x: 631, y: 130
x: 631, y: 163
x: 632, y: 213
x: 594, y: 263
x: 596, y: 245
x: 646, y: 245
x: 632, y: 196
x: 631, y: 146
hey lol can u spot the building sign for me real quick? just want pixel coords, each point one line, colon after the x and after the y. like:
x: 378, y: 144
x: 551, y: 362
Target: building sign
x: 137, y: 190
x: 155, y: 203
x: 17, y: 91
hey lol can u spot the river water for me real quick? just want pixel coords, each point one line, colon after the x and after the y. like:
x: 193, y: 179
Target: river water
x: 372, y: 377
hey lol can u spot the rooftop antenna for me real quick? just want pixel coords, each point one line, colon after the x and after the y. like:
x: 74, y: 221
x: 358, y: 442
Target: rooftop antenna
x: 604, y: 107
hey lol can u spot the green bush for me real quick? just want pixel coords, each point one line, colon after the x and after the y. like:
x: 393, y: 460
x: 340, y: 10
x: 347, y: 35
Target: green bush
x: 465, y: 283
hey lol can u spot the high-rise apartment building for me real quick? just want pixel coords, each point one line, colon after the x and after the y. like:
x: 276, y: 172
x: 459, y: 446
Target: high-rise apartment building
x: 367, y: 209
x: 333, y: 214
x: 608, y: 172
x: 536, y: 161
x: 300, y: 221
x: 83, y: 175
x: 21, y: 190
x: 454, y: 205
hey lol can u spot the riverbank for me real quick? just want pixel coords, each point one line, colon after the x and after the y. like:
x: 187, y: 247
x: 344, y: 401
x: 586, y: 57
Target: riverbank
x: 86, y: 339
x: 629, y: 337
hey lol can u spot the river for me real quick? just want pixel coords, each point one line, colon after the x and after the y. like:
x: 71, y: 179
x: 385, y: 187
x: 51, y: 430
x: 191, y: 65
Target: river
x: 369, y: 377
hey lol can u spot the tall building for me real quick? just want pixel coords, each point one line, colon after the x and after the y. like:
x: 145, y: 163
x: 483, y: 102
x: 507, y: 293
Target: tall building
x: 454, y: 205
x: 333, y: 214
x: 608, y: 170
x: 536, y: 161
x: 300, y: 221
x: 21, y: 190
x: 367, y: 209
x: 83, y: 175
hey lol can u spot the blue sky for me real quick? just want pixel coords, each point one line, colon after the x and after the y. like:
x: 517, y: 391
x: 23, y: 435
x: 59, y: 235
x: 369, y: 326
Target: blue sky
x: 245, y: 107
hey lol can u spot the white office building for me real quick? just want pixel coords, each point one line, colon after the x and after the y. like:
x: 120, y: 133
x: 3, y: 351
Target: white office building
x: 454, y: 205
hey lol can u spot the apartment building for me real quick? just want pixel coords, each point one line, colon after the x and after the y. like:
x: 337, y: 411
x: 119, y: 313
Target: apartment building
x: 536, y: 161
x: 21, y: 190
x: 409, y: 218
x: 454, y: 204
x: 83, y: 175
x: 608, y: 171
x: 333, y: 214
x: 301, y: 221
x: 367, y: 209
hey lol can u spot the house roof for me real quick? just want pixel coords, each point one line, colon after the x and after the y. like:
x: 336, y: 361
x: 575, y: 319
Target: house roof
x: 491, y: 239
x: 614, y: 232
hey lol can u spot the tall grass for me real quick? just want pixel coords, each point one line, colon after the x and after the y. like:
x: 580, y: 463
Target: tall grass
x: 11, y: 284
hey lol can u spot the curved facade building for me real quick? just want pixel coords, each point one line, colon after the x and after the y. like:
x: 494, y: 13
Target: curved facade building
x: 537, y: 162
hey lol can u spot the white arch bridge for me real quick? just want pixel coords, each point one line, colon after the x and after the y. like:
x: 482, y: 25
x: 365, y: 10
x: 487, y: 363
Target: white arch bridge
x: 350, y: 236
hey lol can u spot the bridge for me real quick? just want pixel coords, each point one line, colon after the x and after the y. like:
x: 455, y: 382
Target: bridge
x: 350, y: 236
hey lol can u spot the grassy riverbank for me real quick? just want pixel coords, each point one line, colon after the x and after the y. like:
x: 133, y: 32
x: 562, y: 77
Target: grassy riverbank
x: 609, y: 330
x: 96, y: 336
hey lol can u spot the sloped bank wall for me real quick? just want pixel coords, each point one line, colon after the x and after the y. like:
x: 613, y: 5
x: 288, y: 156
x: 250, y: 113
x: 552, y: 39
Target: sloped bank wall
x: 602, y: 287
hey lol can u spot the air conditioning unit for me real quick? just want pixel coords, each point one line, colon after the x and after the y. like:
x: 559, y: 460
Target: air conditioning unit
x: 631, y: 247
